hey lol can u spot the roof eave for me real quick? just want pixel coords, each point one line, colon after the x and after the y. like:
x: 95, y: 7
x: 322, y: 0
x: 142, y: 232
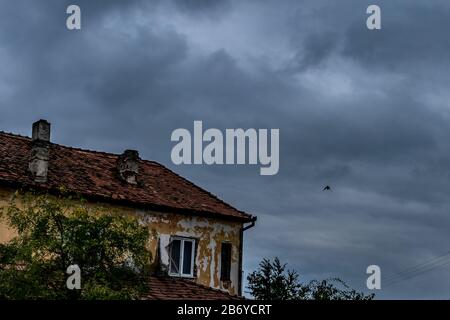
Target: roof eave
x: 244, y: 218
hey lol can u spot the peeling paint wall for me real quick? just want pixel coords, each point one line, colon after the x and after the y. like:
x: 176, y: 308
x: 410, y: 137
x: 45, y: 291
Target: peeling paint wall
x: 209, y: 234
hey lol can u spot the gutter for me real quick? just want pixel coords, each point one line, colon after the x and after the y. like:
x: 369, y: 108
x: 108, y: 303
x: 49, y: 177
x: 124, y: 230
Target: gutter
x: 241, y: 245
x: 252, y: 223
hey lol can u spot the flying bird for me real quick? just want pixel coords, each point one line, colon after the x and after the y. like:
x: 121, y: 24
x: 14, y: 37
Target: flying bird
x: 327, y: 188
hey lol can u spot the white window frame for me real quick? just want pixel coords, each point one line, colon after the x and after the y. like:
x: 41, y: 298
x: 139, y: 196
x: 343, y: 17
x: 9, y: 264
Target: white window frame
x: 180, y: 271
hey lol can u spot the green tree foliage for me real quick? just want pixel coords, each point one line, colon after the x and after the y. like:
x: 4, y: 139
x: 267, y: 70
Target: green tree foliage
x: 56, y: 232
x: 272, y: 281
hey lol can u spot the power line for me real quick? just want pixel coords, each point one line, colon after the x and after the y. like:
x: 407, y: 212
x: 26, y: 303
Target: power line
x: 418, y: 266
x: 423, y: 267
x: 418, y: 270
x: 417, y: 274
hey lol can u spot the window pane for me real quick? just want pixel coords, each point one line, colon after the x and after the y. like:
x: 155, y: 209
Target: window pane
x: 225, y: 261
x: 175, y: 256
x: 187, y: 257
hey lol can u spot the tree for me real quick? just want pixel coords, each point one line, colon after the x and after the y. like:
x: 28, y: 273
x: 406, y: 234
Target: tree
x: 56, y: 232
x: 272, y: 281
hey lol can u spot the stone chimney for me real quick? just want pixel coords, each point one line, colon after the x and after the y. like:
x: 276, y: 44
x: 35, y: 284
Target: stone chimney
x: 128, y: 166
x: 40, y: 146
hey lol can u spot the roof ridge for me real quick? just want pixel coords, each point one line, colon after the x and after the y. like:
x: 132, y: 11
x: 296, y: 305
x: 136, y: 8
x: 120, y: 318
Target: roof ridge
x: 85, y: 150
x: 102, y: 152
x: 99, y: 152
x: 15, y: 135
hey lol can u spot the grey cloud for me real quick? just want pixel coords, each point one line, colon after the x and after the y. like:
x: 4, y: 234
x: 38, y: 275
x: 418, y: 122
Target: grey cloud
x: 361, y: 111
x: 211, y: 9
x: 315, y: 49
x: 413, y: 36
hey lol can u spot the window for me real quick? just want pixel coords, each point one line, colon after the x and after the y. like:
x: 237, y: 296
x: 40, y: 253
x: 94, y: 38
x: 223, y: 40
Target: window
x: 225, y: 262
x: 182, y: 257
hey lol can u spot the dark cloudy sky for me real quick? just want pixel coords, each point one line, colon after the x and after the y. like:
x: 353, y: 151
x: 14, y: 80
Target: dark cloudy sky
x: 366, y: 112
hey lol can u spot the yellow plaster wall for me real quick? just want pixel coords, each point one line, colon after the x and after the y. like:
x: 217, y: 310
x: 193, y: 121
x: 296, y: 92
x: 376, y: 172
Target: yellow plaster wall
x: 5, y: 233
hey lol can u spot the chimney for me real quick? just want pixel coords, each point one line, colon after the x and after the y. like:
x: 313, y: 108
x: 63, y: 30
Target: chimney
x: 128, y: 166
x: 40, y: 144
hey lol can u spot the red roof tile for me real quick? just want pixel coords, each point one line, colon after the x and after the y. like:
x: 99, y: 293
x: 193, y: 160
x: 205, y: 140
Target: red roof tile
x: 166, y: 288
x: 93, y: 174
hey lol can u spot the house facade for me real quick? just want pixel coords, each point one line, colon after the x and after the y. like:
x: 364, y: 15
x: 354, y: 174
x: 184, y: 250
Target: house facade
x: 196, y: 239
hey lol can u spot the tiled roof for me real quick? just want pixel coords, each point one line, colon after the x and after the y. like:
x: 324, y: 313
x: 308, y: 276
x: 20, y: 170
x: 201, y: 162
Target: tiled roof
x: 94, y: 174
x: 166, y: 288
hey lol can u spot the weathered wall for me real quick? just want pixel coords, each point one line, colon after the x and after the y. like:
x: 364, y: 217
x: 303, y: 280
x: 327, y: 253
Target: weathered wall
x: 5, y: 233
x: 209, y: 234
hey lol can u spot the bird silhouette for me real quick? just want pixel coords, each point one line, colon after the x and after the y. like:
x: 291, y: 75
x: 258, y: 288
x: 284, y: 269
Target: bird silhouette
x: 327, y: 188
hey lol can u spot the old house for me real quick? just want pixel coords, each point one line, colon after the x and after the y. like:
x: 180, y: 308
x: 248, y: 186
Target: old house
x: 196, y: 237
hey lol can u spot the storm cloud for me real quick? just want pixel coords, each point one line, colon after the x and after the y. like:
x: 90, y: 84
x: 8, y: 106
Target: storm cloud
x: 366, y: 112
